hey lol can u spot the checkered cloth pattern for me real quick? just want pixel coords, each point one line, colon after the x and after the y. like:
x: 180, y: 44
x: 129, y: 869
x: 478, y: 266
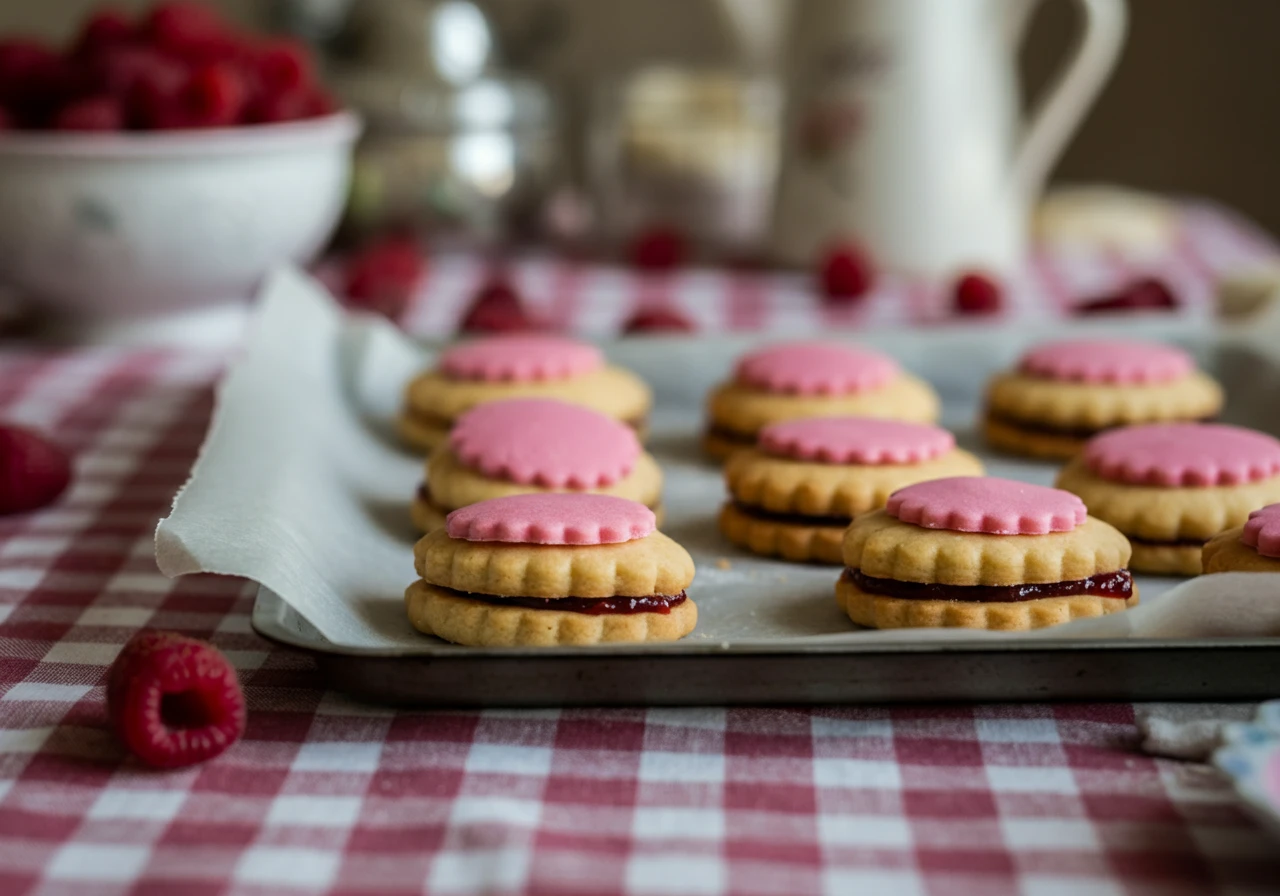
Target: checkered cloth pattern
x: 323, y: 795
x: 597, y: 299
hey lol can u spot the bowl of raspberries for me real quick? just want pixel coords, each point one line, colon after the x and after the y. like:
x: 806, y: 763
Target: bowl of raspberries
x: 162, y: 163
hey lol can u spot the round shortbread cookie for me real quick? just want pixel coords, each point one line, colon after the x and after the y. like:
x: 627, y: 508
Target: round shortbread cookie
x: 453, y: 484
x: 420, y: 435
x: 879, y: 611
x: 782, y: 485
x: 1166, y: 559
x: 745, y: 410
x: 613, y: 391
x: 1167, y: 514
x: 475, y: 623
x: 651, y: 565
x: 881, y: 546
x: 1015, y: 397
x: 1227, y: 553
x: 772, y: 538
x: 1012, y: 439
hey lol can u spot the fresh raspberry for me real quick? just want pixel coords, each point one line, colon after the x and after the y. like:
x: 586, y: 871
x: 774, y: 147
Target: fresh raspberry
x: 658, y: 320
x: 846, y: 274
x: 147, y: 82
x: 497, y: 309
x: 20, y: 62
x: 182, y: 26
x: 1144, y: 294
x: 174, y: 701
x: 104, y: 30
x: 214, y: 96
x: 320, y: 102
x: 658, y: 249
x: 283, y: 65
x: 977, y: 293
x: 33, y: 471
x: 35, y: 81
x: 382, y: 276
x: 98, y: 113
x: 271, y: 108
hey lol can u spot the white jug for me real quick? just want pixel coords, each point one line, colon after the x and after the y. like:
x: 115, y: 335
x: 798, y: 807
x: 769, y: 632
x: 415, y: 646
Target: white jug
x: 904, y: 132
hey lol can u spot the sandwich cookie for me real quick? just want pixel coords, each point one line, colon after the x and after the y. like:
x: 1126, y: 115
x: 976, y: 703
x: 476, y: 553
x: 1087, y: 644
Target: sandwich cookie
x: 985, y: 553
x: 534, y: 445
x: 518, y: 367
x: 1064, y: 393
x: 1172, y: 487
x: 551, y: 570
x: 794, y: 494
x: 811, y: 379
x: 1253, y: 547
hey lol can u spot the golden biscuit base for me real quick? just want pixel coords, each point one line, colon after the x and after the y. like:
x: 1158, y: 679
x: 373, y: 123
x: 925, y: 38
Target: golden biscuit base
x: 1167, y: 514
x: 1096, y: 406
x: 745, y: 410
x: 719, y: 448
x: 610, y: 390
x: 427, y: 516
x: 878, y: 611
x: 790, y: 541
x: 1011, y: 439
x: 1166, y: 559
x: 651, y: 565
x: 782, y: 485
x: 887, y: 548
x: 420, y: 436
x: 1227, y: 553
x: 454, y: 485
x: 474, y: 623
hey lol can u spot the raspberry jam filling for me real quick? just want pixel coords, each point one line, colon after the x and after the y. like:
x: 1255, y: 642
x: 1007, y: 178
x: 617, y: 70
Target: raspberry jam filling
x: 588, y: 606
x: 1118, y: 585
x: 729, y: 435
x: 791, y: 519
x: 1073, y: 432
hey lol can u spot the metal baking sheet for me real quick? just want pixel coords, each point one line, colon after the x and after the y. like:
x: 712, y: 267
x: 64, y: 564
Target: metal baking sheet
x: 789, y: 649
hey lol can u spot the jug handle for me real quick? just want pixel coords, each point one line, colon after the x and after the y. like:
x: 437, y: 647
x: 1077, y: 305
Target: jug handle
x: 1063, y: 104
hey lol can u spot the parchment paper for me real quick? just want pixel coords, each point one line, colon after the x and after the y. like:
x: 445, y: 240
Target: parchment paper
x: 301, y: 487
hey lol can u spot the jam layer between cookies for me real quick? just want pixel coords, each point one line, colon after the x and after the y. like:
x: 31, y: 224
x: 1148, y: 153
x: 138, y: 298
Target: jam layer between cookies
x: 791, y: 519
x: 588, y: 606
x: 1072, y: 432
x: 436, y: 421
x: 1118, y: 585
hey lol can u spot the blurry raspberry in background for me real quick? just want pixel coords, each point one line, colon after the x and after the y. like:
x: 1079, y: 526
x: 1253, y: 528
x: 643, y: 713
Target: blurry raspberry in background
x: 497, y: 308
x: 177, y: 66
x: 977, y: 293
x: 846, y: 274
x: 34, y: 472
x: 381, y: 277
x: 658, y: 320
x: 659, y: 249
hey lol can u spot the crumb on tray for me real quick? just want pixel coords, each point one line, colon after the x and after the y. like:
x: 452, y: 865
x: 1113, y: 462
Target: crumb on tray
x: 723, y: 563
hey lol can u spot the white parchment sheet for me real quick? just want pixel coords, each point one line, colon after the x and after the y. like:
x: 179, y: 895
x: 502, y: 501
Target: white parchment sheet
x: 301, y: 487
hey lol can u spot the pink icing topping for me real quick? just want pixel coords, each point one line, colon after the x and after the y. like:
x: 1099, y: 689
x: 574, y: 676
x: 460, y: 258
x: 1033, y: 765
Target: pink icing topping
x: 988, y: 505
x: 1178, y: 454
x: 816, y: 368
x: 856, y: 440
x: 1262, y: 532
x: 1107, y: 361
x: 541, y: 441
x: 520, y: 359
x: 552, y: 518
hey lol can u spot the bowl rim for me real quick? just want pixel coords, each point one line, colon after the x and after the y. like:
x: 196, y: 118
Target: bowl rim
x: 337, y: 129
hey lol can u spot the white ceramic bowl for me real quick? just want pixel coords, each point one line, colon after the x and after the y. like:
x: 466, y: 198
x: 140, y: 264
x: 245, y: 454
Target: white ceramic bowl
x: 101, y: 229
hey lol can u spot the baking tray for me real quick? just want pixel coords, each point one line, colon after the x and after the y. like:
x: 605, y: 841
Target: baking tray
x: 712, y: 670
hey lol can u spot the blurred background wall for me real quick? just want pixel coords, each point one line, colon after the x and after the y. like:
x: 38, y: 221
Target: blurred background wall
x: 1190, y: 110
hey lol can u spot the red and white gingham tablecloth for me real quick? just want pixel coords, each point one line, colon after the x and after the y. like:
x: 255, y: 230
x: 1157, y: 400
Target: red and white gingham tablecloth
x: 323, y: 795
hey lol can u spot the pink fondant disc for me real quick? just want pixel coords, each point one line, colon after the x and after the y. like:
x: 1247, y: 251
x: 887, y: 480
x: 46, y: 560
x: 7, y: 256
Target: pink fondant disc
x: 1262, y: 531
x: 987, y: 505
x: 1183, y: 454
x: 541, y: 441
x: 855, y: 440
x: 1116, y: 361
x: 520, y: 359
x: 552, y: 518
x: 816, y: 368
